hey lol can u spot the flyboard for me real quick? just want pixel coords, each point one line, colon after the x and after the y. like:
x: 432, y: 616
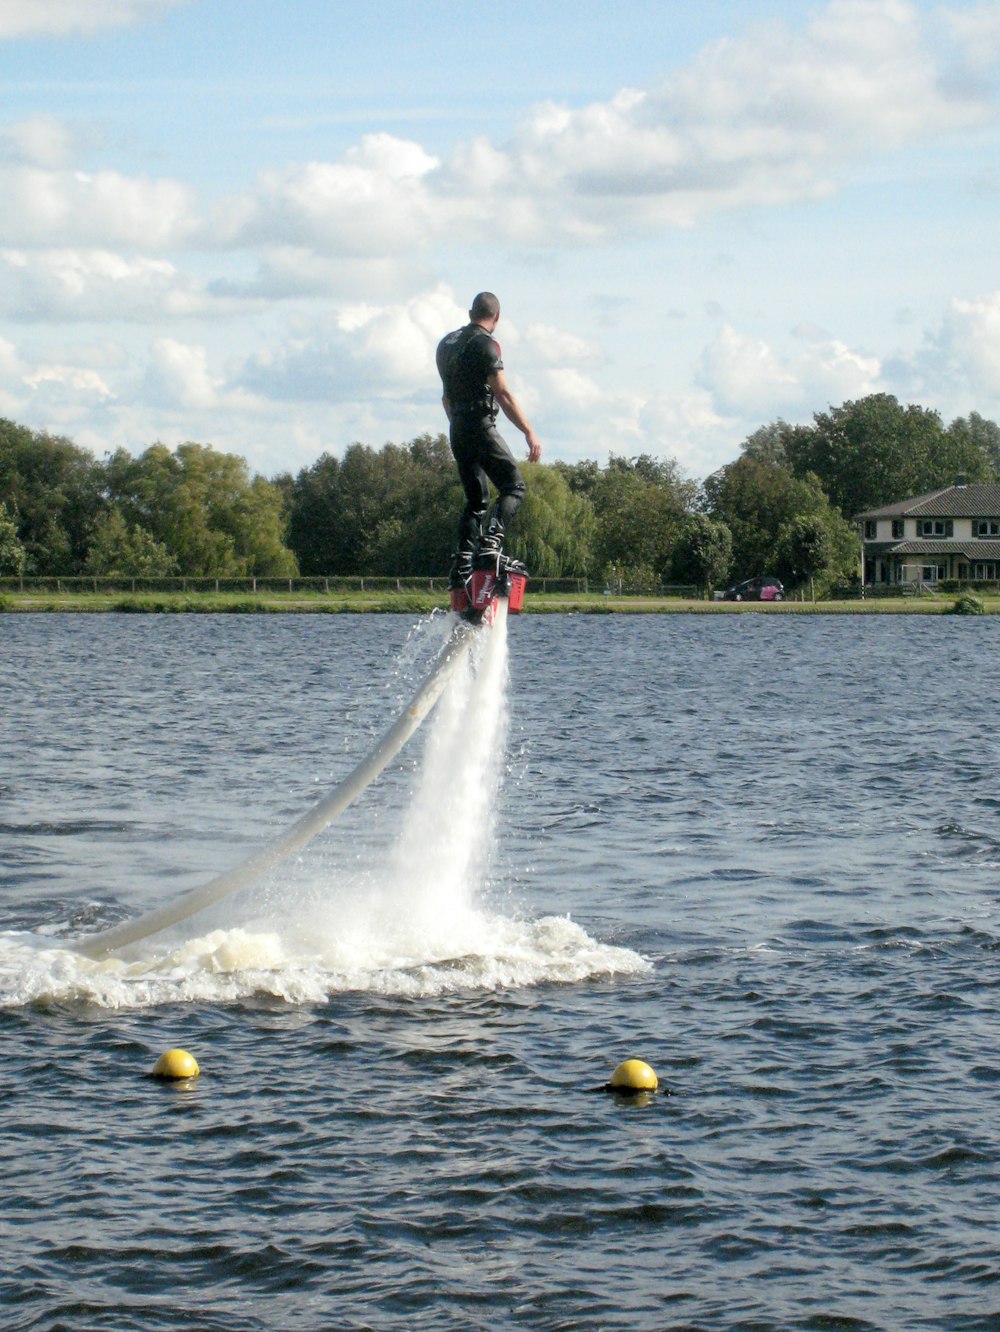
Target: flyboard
x: 489, y: 595
x: 495, y: 581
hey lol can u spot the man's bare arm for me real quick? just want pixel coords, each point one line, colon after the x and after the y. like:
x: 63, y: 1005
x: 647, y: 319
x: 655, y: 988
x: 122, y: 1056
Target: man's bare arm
x: 512, y: 410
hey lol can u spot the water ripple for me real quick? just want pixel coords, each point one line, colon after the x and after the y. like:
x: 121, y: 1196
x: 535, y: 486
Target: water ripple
x: 787, y: 910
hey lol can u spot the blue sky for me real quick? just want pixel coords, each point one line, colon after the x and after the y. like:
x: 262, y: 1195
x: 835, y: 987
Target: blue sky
x: 248, y: 224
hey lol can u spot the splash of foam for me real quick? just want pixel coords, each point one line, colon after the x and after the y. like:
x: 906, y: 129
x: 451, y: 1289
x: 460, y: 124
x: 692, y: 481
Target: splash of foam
x: 228, y: 965
x: 411, y: 923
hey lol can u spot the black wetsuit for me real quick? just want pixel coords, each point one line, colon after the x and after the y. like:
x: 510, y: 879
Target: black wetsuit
x: 465, y: 360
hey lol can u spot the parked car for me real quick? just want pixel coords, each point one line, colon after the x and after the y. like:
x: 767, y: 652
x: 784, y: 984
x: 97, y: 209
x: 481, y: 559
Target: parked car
x: 756, y: 589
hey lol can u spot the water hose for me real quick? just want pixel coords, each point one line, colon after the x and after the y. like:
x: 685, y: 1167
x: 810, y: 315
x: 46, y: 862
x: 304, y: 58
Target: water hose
x: 301, y: 833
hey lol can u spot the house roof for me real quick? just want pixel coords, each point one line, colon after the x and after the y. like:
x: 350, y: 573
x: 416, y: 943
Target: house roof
x: 972, y: 550
x: 950, y: 502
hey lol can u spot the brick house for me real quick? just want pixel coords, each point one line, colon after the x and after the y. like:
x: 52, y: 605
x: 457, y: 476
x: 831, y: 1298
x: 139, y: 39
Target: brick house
x: 949, y: 533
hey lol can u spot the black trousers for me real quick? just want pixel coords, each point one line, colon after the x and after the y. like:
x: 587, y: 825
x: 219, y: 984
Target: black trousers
x: 482, y: 456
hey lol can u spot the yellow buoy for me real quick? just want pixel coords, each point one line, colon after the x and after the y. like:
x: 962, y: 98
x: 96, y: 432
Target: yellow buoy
x: 633, y: 1076
x: 176, y: 1064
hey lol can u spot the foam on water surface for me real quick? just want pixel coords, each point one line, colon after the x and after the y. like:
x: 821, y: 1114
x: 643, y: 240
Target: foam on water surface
x: 227, y: 965
x: 412, y: 921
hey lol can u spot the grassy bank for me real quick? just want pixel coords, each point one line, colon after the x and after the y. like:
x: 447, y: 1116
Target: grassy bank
x: 411, y: 602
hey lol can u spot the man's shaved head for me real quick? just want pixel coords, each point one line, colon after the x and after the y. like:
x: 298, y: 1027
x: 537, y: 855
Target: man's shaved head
x: 484, y: 306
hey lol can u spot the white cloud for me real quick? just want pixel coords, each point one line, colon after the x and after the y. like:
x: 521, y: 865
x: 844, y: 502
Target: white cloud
x: 763, y: 119
x: 546, y: 346
x: 747, y: 378
x: 961, y: 357
x: 179, y: 376
x: 97, y: 285
x: 43, y: 383
x: 971, y: 338
x: 568, y: 388
x: 743, y: 374
x: 338, y: 269
x: 771, y: 117
x: 687, y: 427
x: 829, y: 371
x: 77, y: 208
x: 11, y: 365
x: 402, y: 339
x: 51, y: 390
x: 295, y: 272
x: 977, y: 31
x: 41, y: 141
x: 372, y: 202
x: 69, y: 382
x: 756, y: 121
x: 58, y: 18
x: 365, y: 348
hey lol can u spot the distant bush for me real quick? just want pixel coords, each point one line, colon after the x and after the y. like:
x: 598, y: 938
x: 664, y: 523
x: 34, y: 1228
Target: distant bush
x: 631, y: 579
x: 967, y: 604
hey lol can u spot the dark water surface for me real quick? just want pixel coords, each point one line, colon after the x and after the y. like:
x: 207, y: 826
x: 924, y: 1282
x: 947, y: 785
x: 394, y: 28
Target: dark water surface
x: 760, y: 852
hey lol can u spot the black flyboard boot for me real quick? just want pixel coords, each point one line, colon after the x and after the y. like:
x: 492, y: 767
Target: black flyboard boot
x: 490, y: 555
x: 461, y: 567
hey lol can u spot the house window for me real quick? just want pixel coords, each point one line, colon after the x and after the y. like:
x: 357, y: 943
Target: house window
x: 984, y: 571
x: 986, y: 527
x: 897, y: 528
x: 935, y: 527
x: 871, y: 529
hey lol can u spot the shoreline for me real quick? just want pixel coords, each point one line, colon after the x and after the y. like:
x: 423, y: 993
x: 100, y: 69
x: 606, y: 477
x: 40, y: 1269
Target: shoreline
x: 410, y: 602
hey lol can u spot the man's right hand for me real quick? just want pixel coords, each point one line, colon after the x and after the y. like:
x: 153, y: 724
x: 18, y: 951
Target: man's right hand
x: 534, y: 446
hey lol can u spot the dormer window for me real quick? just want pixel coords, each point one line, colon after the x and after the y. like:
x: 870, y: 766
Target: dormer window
x: 935, y: 527
x: 986, y: 527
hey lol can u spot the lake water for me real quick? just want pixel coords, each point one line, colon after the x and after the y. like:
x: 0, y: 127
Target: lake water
x: 761, y: 852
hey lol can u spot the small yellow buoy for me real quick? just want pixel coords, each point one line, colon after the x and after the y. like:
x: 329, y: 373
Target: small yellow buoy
x: 633, y: 1076
x: 176, y: 1064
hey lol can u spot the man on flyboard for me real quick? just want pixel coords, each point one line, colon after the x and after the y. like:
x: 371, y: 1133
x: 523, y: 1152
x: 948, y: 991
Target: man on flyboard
x: 470, y: 364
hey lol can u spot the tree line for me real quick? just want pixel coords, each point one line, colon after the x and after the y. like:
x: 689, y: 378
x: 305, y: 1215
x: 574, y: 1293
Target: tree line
x: 785, y: 506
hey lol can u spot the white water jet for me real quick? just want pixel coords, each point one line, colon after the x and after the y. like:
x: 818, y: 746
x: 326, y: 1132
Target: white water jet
x: 412, y: 923
x: 418, y: 904
x: 301, y: 833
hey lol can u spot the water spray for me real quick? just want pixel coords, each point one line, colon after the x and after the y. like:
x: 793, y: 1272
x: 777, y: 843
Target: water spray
x: 301, y: 833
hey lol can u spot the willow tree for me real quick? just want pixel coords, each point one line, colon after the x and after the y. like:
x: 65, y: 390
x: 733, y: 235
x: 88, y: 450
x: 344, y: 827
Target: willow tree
x: 553, y: 532
x: 204, y: 507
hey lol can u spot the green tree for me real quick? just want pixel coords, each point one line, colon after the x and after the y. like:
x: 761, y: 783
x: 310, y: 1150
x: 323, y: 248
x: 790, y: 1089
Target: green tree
x: 974, y: 434
x: 205, y: 509
x: 53, y: 492
x: 759, y: 502
x: 119, y: 550
x: 767, y: 443
x: 12, y: 555
x: 703, y: 552
x: 639, y: 507
x: 581, y: 477
x: 388, y: 511
x: 805, y: 549
x: 422, y: 500
x: 314, y: 518
x: 874, y: 451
